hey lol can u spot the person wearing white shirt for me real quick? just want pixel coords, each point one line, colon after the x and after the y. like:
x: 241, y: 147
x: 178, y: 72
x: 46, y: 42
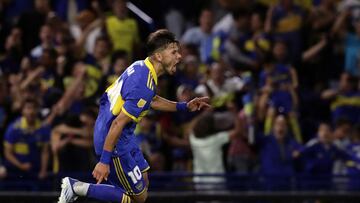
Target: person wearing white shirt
x: 206, y: 145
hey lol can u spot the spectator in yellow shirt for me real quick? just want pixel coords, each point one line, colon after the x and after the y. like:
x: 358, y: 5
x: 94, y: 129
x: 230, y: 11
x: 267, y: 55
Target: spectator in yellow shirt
x: 122, y: 29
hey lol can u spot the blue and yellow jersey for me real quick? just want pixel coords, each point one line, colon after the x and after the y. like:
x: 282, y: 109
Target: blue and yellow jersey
x: 131, y: 94
x: 26, y: 142
x: 346, y: 105
x: 279, y: 75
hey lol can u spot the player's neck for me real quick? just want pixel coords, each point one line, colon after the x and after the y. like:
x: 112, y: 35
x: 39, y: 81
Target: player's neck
x: 157, y: 66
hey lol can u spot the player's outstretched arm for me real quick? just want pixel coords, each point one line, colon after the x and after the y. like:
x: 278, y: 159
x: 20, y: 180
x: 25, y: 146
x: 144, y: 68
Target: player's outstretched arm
x: 162, y: 104
x: 102, y: 169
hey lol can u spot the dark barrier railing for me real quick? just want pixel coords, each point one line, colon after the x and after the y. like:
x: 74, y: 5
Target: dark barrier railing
x: 203, y: 196
x: 186, y: 187
x: 171, y: 181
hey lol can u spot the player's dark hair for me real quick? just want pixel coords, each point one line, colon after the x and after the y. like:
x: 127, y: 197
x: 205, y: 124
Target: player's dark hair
x: 159, y: 39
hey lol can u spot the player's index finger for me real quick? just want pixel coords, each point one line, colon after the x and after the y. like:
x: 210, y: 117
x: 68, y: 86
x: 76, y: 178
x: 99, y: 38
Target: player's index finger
x: 205, y: 99
x: 100, y: 179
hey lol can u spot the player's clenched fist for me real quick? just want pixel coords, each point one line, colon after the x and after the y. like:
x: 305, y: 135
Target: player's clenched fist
x: 101, y: 172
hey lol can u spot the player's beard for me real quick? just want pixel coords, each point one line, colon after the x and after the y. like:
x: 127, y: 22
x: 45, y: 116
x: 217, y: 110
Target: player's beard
x: 170, y: 68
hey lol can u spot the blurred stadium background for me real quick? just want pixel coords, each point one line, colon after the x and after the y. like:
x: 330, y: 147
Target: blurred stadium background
x: 282, y: 75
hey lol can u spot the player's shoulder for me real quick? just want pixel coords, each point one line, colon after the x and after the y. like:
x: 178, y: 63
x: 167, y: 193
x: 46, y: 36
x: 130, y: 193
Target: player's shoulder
x: 137, y: 74
x: 138, y: 69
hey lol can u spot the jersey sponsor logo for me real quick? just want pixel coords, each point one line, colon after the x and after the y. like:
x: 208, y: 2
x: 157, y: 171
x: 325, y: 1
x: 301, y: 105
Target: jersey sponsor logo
x: 141, y: 103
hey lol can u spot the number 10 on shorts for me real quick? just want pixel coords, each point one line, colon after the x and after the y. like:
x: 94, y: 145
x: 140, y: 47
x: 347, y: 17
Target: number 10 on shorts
x: 135, y: 174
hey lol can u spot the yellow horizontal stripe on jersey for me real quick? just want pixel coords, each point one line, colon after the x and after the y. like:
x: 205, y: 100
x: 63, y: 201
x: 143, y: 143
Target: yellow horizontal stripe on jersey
x: 117, y: 106
x: 346, y: 101
x: 128, y: 114
x: 21, y: 148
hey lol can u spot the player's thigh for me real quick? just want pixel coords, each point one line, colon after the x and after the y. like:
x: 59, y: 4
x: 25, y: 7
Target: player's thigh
x: 129, y: 175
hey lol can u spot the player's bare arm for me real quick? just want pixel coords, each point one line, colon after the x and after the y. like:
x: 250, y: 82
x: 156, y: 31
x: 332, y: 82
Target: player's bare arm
x: 102, y: 170
x: 162, y: 104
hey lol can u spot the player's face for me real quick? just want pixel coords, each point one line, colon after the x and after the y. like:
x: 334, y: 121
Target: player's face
x: 170, y: 58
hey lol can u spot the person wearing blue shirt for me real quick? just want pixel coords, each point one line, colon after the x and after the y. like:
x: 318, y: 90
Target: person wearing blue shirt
x: 122, y: 105
x: 353, y: 167
x: 277, y: 155
x: 319, y: 158
x: 26, y: 144
x: 278, y: 82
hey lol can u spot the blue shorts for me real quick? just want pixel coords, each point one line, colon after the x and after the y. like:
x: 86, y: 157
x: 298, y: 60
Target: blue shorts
x: 126, y: 172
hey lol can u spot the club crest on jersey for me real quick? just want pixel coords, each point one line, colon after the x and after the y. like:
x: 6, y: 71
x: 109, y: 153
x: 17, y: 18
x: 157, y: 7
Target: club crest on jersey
x: 141, y: 103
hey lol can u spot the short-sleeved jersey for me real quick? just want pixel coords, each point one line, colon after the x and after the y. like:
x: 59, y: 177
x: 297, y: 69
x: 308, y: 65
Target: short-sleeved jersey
x: 27, y: 143
x: 123, y: 33
x: 131, y: 94
x: 279, y: 75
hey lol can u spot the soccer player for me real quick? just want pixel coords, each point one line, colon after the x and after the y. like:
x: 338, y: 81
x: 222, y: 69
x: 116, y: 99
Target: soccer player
x: 123, y: 104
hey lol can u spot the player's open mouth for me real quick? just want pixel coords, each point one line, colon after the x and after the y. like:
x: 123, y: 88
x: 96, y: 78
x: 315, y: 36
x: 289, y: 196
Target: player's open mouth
x: 175, y: 65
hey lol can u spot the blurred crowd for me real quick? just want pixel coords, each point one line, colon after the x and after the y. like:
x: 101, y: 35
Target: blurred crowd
x: 282, y: 77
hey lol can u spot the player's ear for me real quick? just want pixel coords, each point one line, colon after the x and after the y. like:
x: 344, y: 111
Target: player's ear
x: 158, y: 56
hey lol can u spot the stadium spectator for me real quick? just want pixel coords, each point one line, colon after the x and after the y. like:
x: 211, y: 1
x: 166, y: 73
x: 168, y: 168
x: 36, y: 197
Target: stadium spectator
x: 218, y: 87
x: 344, y: 99
x: 31, y: 21
x: 87, y: 30
x: 241, y: 155
x: 199, y: 35
x: 71, y: 143
x: 119, y: 61
x: 123, y: 29
x: 351, y: 41
x: 27, y: 144
x: 285, y: 21
x: 278, y: 82
x: 101, y: 55
x: 277, y: 151
x: 149, y: 139
x: 189, y: 74
x: 353, y: 168
x: 235, y: 51
x: 68, y: 10
x: 9, y: 63
x: 207, y: 148
x: 47, y: 40
x: 319, y: 158
x: 259, y: 43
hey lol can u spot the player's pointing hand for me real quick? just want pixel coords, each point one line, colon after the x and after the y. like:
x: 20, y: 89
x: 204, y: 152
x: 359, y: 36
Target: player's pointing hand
x: 198, y: 103
x: 101, y: 172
